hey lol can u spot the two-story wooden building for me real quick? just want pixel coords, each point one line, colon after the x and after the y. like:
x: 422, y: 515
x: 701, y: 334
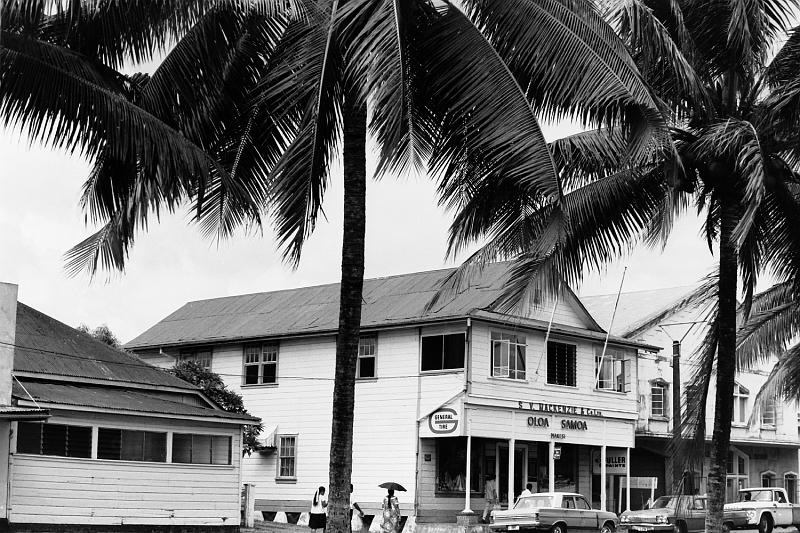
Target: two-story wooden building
x: 764, y: 444
x: 444, y: 398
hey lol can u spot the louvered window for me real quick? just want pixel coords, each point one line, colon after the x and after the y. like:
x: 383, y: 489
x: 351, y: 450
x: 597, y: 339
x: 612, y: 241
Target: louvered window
x: 54, y: 439
x: 201, y: 449
x: 561, y: 361
x: 130, y: 445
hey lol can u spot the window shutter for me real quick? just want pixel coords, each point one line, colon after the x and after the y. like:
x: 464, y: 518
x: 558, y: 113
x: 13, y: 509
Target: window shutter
x: 628, y: 372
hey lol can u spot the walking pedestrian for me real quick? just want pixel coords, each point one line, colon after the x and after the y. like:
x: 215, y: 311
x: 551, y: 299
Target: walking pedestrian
x: 390, y: 520
x: 490, y: 495
x: 354, y: 505
x: 318, y: 519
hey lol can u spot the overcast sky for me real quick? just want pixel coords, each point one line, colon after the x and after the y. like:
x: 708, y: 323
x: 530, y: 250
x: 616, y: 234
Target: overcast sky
x: 172, y: 263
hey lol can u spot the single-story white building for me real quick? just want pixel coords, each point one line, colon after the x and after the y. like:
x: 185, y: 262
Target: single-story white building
x: 104, y: 440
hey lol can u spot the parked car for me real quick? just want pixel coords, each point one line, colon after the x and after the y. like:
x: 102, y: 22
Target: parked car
x: 557, y: 512
x: 766, y: 507
x: 678, y: 513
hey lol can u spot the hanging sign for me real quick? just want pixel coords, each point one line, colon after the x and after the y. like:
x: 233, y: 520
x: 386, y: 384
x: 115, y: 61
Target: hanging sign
x: 444, y: 420
x: 615, y: 462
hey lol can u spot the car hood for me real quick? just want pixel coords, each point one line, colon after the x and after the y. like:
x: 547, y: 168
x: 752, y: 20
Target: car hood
x: 650, y: 513
x: 746, y: 505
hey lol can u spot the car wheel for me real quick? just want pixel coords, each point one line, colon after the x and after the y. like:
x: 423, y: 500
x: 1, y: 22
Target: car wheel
x: 680, y: 527
x: 558, y: 528
x: 765, y: 524
x: 607, y: 528
x: 726, y: 527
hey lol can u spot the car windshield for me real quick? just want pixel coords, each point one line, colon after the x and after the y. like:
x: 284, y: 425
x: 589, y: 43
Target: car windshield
x: 531, y: 502
x: 665, y: 502
x: 755, y: 495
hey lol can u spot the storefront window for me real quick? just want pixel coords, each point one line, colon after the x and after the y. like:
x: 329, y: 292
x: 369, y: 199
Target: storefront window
x: 451, y: 459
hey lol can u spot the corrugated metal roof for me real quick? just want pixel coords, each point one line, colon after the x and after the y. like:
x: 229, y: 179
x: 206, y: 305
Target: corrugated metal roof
x: 635, y: 308
x: 129, y: 400
x: 392, y: 300
x: 11, y: 412
x: 49, y: 347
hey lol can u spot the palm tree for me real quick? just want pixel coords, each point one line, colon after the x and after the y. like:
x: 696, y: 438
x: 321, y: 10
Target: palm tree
x: 456, y: 88
x: 733, y: 153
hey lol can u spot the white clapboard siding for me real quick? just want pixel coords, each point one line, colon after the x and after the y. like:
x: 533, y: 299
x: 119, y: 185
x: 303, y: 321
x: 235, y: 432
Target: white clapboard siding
x: 66, y: 490
x: 535, y: 387
x: 567, y: 312
x: 386, y: 412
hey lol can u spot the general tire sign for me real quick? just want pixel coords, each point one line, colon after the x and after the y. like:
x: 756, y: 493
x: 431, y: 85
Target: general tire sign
x: 444, y: 420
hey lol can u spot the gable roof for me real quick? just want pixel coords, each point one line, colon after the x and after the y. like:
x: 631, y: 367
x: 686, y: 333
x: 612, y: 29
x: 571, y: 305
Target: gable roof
x: 635, y: 308
x: 389, y: 301
x: 48, y: 347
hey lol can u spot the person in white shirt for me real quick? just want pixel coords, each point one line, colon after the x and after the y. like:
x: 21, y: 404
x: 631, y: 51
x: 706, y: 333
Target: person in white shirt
x: 490, y: 496
x: 527, y: 492
x: 318, y: 519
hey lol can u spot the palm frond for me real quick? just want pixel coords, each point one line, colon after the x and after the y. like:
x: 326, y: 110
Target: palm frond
x: 783, y: 68
x: 553, y: 46
x: 69, y: 103
x: 783, y: 382
x: 766, y: 334
x: 587, y: 156
x: 660, y: 59
x: 308, y: 79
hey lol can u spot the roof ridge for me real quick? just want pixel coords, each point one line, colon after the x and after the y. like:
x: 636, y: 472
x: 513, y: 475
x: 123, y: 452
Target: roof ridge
x: 305, y: 287
x: 689, y: 286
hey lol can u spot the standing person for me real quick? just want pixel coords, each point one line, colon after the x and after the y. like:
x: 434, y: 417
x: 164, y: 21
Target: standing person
x: 318, y: 519
x: 490, y: 495
x: 391, y: 513
x: 354, y: 505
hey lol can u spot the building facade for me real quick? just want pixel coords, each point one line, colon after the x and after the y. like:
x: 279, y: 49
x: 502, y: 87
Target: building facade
x: 445, y: 398
x: 764, y: 445
x: 109, y: 442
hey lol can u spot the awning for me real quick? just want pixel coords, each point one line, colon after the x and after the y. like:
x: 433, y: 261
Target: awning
x: 8, y: 412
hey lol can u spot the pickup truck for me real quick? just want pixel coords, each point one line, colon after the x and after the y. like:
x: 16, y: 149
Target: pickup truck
x: 766, y: 507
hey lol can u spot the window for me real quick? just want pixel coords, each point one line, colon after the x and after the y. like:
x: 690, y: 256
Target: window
x: 738, y: 474
x: 451, y: 465
x: 790, y: 485
x: 768, y: 412
x: 561, y: 363
x: 611, y: 374
x: 287, y: 456
x: 740, y: 397
x: 768, y: 479
x: 658, y: 400
x: 581, y: 503
x: 201, y: 449
x: 443, y: 352
x: 201, y: 356
x: 367, y: 352
x: 260, y: 363
x: 508, y: 356
x: 130, y: 445
x: 54, y: 439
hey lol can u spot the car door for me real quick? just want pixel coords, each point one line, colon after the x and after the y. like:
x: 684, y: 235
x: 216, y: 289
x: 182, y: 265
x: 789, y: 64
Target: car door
x: 696, y: 515
x: 783, y: 509
x: 587, y: 514
x: 571, y: 515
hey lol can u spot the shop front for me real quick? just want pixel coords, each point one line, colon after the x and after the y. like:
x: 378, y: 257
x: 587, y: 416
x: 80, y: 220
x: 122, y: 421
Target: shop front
x: 553, y: 447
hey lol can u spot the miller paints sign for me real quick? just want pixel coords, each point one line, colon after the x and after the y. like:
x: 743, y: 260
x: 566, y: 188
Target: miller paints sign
x: 444, y: 420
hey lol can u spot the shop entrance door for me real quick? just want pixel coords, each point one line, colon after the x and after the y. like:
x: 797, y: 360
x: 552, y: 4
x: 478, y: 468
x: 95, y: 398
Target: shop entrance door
x: 520, y: 470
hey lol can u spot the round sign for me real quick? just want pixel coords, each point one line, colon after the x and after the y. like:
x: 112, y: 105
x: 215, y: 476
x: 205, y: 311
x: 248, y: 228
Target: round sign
x: 444, y: 420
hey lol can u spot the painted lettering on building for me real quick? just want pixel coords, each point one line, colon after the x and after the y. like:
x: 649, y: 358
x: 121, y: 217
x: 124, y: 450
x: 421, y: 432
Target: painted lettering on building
x: 538, y: 422
x: 444, y: 420
x: 574, y: 424
x: 559, y: 409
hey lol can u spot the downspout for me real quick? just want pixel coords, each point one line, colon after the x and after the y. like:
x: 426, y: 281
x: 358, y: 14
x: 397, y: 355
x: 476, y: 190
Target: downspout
x: 468, y: 362
x: 419, y: 408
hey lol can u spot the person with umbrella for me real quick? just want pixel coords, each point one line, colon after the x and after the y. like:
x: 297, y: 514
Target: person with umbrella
x: 390, y: 518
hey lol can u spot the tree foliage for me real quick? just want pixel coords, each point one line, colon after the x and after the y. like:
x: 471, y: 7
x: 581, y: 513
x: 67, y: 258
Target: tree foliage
x: 212, y: 386
x: 102, y: 333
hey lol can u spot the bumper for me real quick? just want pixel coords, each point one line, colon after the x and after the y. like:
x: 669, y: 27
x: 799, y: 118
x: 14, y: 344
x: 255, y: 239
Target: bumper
x: 646, y: 528
x: 514, y: 528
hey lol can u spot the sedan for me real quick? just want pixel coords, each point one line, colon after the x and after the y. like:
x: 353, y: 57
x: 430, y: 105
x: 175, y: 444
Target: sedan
x: 557, y: 512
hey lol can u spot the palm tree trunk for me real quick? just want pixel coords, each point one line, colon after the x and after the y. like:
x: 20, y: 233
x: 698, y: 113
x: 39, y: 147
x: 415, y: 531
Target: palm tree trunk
x: 352, y: 284
x: 726, y: 364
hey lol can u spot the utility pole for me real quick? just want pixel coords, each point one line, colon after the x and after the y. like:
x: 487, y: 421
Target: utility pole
x: 677, y: 465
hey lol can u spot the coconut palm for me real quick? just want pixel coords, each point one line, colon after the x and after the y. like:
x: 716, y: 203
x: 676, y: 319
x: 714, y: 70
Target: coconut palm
x: 454, y: 88
x: 733, y: 156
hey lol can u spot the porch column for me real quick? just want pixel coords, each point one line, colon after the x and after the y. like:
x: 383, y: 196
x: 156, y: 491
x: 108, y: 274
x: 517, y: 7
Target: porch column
x: 603, y: 477
x: 467, y: 487
x: 511, y: 443
x: 627, y: 479
x: 551, y: 468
